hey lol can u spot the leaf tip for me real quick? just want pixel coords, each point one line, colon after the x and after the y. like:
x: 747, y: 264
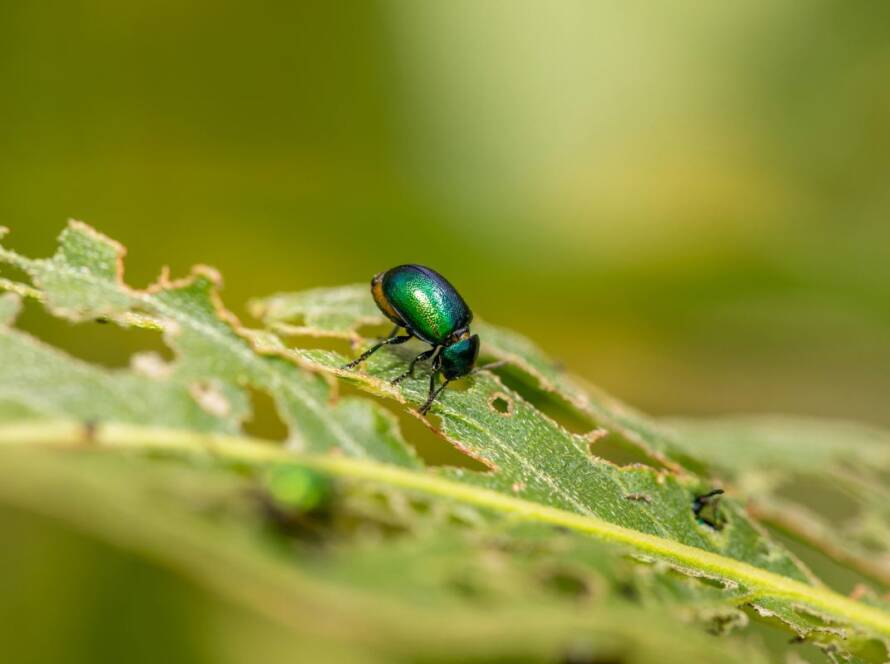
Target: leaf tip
x: 211, y: 274
x: 84, y: 229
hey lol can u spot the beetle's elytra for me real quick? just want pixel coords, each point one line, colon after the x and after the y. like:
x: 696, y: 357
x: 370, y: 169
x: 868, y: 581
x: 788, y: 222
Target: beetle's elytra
x: 428, y: 307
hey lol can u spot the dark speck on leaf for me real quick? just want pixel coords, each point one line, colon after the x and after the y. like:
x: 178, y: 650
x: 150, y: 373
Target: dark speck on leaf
x: 707, y: 509
x: 638, y: 497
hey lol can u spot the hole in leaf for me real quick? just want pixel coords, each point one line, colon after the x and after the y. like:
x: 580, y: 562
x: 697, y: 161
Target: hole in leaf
x: 613, y: 448
x: 813, y: 617
x: 432, y: 448
x: 617, y: 450
x: 375, y: 330
x: 335, y: 344
x: 628, y: 591
x: 567, y: 582
x: 501, y: 403
x: 14, y: 273
x: 458, y: 384
x: 706, y: 508
x: 548, y: 403
x: 774, y: 635
x: 709, y: 581
x: 420, y: 506
x: 106, y: 345
x: 264, y: 422
x: 460, y: 520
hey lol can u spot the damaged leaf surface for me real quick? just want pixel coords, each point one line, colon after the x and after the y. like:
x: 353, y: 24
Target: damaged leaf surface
x: 539, y: 473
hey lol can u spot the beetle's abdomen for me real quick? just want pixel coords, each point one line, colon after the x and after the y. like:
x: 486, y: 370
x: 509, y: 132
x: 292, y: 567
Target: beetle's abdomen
x: 430, y: 306
x: 382, y: 303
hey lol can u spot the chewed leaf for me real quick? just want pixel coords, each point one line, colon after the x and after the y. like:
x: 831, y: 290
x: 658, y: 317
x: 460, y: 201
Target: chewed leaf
x: 601, y: 410
x: 342, y: 311
x: 336, y: 312
x: 40, y: 382
x: 769, y: 457
x: 84, y: 281
x: 539, y: 475
x: 530, y: 454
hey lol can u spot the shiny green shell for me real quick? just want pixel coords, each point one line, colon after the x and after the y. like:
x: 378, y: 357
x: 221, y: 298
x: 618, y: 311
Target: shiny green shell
x: 421, y: 300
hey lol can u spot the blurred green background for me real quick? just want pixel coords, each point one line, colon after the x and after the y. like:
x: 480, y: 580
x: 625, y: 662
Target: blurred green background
x: 686, y: 202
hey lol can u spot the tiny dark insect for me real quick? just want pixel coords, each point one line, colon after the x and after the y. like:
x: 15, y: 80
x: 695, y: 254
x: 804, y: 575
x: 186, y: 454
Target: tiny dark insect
x: 706, y: 509
x: 424, y: 303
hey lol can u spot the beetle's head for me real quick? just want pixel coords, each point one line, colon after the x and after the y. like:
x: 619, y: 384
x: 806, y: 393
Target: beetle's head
x: 459, y: 357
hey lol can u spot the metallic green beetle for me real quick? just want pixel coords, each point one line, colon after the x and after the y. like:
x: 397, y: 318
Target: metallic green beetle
x: 423, y: 302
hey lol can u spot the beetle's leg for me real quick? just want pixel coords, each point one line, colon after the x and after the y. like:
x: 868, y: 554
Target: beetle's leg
x: 437, y: 367
x: 425, y: 355
x: 389, y: 341
x: 434, y: 393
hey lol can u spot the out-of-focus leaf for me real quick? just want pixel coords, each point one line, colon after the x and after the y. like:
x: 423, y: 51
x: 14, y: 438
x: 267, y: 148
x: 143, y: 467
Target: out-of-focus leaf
x: 822, y: 481
x: 445, y: 595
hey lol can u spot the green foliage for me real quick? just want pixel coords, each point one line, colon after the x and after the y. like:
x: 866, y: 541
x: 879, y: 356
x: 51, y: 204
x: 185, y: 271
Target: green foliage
x: 354, y: 547
x: 823, y: 482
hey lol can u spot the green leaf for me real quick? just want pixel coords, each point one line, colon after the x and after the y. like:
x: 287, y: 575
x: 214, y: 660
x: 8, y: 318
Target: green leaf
x: 792, y: 469
x: 540, y: 474
x: 531, y: 455
x: 83, y: 282
x: 452, y: 594
x: 342, y: 312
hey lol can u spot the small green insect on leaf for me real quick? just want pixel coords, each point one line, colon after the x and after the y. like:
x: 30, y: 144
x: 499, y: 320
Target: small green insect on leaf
x: 297, y: 488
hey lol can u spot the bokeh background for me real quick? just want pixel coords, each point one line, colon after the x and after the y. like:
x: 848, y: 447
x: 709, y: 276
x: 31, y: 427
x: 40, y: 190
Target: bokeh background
x: 688, y: 203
